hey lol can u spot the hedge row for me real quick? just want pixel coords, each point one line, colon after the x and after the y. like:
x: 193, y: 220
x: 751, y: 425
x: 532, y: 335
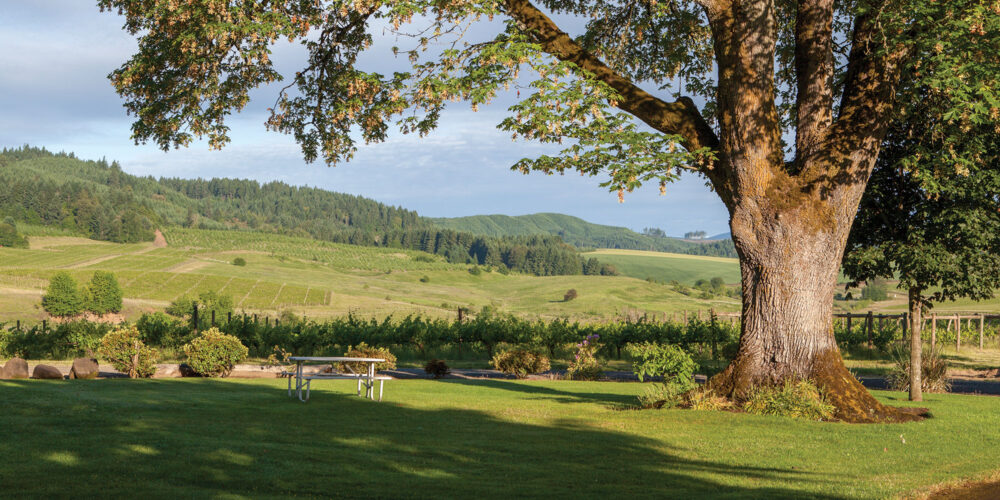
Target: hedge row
x: 484, y: 333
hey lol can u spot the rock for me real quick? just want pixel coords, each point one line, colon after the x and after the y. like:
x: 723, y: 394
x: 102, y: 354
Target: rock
x: 47, y: 372
x: 15, y: 368
x: 167, y: 371
x: 187, y: 371
x: 83, y: 368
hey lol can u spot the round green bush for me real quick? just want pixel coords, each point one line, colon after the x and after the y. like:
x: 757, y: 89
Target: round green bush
x: 239, y: 261
x: 124, y: 349
x: 213, y: 353
x: 520, y: 363
x: 364, y: 350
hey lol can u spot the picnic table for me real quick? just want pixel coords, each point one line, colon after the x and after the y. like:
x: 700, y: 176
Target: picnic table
x: 367, y: 378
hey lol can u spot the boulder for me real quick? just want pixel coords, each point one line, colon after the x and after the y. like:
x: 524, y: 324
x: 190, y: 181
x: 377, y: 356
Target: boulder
x: 47, y: 372
x: 187, y: 371
x: 84, y: 368
x: 167, y: 371
x: 15, y: 368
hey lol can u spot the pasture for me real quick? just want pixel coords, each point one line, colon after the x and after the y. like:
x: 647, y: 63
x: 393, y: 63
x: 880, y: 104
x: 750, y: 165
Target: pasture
x: 317, y: 279
x: 457, y: 438
x: 667, y: 267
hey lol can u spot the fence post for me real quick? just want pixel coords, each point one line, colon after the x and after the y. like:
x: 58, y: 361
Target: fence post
x: 229, y: 317
x: 194, y: 317
x: 18, y: 325
x: 958, y: 332
x: 685, y: 316
x: 213, y: 317
x: 45, y: 326
x: 869, y: 324
x: 459, y: 315
x: 267, y: 321
x: 849, y: 324
x: 715, y: 331
x: 933, y: 330
x: 982, y: 320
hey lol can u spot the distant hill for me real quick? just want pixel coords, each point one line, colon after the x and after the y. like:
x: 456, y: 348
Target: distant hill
x: 721, y: 236
x: 98, y: 200
x: 581, y: 234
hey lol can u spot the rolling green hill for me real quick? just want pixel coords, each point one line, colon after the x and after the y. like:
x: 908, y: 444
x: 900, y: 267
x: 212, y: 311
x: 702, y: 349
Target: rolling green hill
x: 666, y: 267
x: 581, y: 234
x: 317, y: 279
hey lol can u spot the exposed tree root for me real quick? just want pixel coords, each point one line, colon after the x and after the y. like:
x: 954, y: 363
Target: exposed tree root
x: 852, y: 402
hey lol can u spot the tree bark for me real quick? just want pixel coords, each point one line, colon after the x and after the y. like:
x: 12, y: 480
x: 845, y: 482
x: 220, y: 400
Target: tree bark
x: 916, y: 363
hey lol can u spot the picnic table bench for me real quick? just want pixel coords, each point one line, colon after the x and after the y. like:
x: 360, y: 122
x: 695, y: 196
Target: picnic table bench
x: 367, y: 379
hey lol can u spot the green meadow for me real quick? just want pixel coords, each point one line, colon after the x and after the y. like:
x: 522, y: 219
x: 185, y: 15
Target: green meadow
x: 321, y: 279
x: 461, y: 439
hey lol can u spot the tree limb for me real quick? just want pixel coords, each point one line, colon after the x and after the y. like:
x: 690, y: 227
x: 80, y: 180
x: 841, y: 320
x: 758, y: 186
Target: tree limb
x: 681, y: 117
x: 814, y: 74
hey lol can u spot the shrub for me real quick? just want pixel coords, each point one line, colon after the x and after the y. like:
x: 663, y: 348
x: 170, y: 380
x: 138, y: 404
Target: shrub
x: 660, y: 360
x: 669, y: 362
x: 475, y: 271
x: 662, y: 396
x: 570, y: 295
x: 62, y: 298
x: 213, y: 353
x: 239, y: 261
x: 585, y: 365
x: 364, y: 350
x: 706, y: 400
x: 161, y: 330
x: 425, y: 279
x: 793, y: 399
x: 520, y: 362
x: 933, y: 371
x: 123, y: 348
x: 103, y: 294
x: 437, y: 367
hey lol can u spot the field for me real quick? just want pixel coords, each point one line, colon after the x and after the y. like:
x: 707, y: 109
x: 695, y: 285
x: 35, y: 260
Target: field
x: 666, y: 267
x: 316, y: 279
x: 461, y: 439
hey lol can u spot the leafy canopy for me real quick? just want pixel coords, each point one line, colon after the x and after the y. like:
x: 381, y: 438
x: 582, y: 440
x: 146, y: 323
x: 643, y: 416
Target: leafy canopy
x: 199, y: 59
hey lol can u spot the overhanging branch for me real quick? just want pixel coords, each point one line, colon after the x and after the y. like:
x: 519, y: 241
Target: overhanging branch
x: 681, y: 117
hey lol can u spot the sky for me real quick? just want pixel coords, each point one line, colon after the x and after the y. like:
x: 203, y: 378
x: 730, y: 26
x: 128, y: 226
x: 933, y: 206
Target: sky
x: 55, y: 56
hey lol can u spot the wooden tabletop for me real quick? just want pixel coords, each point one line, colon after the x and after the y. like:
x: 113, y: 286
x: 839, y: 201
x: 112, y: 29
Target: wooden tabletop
x: 314, y: 358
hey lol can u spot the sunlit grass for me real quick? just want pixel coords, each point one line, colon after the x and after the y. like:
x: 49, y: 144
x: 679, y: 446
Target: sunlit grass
x: 448, y: 439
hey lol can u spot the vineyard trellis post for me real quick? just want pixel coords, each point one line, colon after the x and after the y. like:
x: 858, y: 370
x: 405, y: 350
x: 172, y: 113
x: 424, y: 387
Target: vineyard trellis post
x: 982, y: 324
x: 958, y: 333
x: 194, y: 317
x: 869, y: 324
x: 933, y: 330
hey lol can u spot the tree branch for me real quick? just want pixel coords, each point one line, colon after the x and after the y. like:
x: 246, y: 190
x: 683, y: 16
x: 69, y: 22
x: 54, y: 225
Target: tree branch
x: 814, y: 74
x: 681, y: 117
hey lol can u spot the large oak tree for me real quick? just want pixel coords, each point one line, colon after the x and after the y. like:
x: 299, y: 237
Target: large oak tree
x: 620, y: 96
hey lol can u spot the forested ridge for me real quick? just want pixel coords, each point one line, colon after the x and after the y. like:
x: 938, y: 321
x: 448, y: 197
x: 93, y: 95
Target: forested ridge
x: 582, y: 234
x: 98, y: 200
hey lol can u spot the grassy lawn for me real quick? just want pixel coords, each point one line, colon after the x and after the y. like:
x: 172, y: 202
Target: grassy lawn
x: 669, y: 266
x: 443, y: 439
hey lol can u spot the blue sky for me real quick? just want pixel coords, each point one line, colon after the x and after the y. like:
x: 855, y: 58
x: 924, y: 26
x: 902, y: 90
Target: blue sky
x: 54, y: 93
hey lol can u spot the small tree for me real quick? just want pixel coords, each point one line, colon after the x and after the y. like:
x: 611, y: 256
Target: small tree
x: 570, y: 295
x: 103, y: 294
x: 9, y: 236
x: 63, y: 298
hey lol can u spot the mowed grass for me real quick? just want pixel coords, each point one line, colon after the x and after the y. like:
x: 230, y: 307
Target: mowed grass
x: 666, y: 267
x: 320, y: 279
x: 461, y: 439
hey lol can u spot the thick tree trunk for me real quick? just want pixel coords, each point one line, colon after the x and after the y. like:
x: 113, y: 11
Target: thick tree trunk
x: 789, y: 270
x: 916, y: 363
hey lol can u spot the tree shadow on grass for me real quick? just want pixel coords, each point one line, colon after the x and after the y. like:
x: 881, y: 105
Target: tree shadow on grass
x: 202, y: 438
x: 610, y: 399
